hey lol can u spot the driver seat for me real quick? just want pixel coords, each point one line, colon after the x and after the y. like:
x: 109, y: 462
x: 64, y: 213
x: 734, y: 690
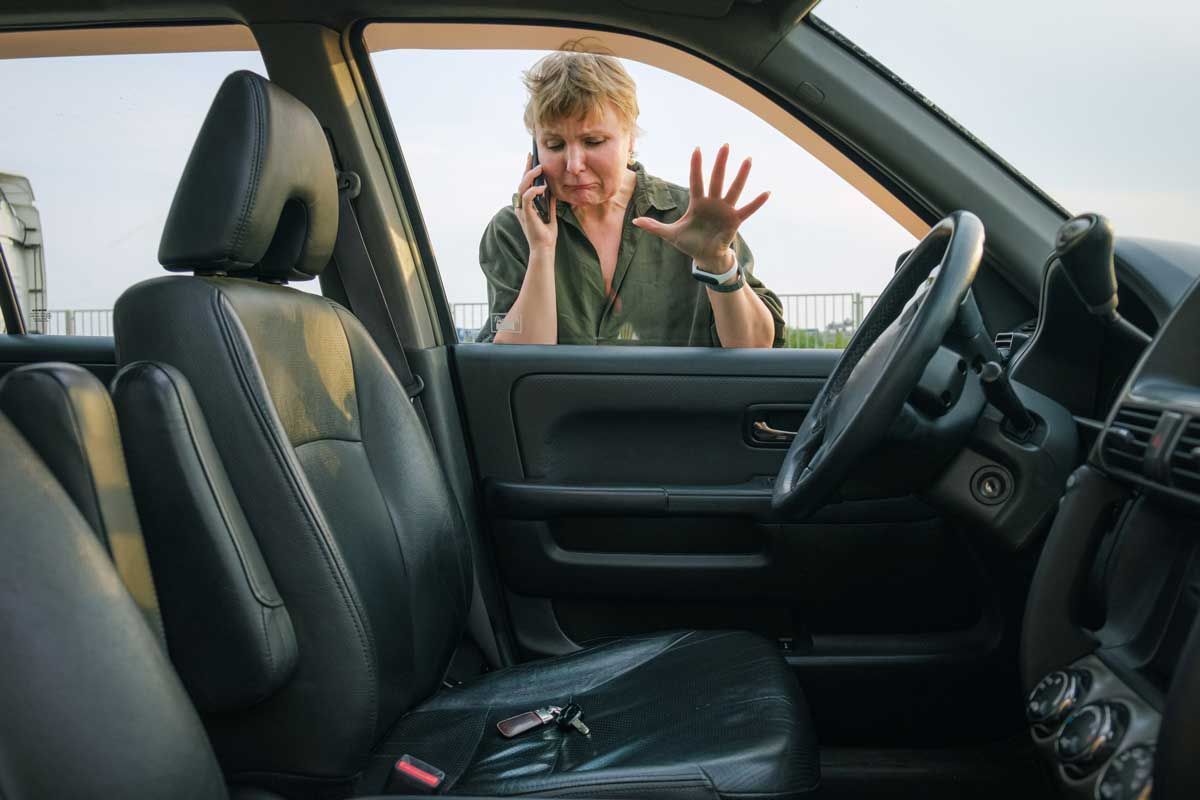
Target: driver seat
x: 345, y: 496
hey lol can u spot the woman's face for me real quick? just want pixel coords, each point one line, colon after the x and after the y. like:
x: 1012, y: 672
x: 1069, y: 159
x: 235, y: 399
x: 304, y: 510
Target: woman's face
x: 584, y: 160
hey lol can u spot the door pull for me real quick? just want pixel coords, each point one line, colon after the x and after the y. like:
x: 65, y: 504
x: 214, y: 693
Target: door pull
x: 773, y: 434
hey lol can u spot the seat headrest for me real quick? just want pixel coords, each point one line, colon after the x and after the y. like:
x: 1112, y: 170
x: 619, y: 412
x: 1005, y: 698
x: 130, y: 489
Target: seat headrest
x: 258, y: 196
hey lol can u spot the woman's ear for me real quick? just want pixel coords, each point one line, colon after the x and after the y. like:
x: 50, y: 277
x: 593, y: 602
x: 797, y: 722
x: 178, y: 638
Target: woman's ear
x: 631, y: 152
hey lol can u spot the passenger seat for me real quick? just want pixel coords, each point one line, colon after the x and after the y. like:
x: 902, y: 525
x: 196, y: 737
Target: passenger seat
x: 344, y: 493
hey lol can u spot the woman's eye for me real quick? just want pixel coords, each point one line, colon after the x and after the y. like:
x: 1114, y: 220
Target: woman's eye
x: 595, y: 142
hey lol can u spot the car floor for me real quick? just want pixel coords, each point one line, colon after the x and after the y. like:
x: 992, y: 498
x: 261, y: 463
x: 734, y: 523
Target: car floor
x: 1009, y: 769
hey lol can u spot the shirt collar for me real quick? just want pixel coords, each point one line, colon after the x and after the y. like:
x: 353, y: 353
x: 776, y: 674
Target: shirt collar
x: 650, y: 192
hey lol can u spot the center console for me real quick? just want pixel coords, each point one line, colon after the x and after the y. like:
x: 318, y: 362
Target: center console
x: 1110, y: 646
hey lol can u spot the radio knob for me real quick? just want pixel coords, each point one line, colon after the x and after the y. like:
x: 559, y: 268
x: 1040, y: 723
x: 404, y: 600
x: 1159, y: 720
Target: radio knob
x: 1091, y: 734
x: 1056, y: 695
x: 1129, y: 776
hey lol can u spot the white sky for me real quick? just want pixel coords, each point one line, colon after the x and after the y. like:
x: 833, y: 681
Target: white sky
x: 1094, y: 100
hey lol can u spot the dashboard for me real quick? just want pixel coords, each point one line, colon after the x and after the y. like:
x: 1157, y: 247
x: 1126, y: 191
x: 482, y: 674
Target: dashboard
x: 1110, y: 652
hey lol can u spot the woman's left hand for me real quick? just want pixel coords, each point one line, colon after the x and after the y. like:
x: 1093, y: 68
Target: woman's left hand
x: 707, y: 229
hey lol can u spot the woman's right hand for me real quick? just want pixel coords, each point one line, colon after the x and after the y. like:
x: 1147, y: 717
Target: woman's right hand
x: 540, y: 235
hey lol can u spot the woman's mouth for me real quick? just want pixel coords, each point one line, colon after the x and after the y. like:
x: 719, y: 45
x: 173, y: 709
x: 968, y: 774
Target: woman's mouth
x: 578, y: 187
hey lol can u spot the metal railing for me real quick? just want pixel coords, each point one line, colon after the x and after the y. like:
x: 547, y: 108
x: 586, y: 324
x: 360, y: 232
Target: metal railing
x: 72, y: 322
x: 813, y: 320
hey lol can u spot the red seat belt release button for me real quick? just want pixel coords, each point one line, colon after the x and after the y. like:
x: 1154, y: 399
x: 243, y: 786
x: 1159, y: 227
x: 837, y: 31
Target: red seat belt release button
x: 411, y: 776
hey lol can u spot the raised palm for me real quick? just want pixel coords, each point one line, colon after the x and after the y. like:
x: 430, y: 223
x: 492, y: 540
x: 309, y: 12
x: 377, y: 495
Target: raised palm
x: 707, y: 228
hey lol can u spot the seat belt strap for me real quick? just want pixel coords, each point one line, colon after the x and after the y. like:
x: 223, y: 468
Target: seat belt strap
x: 363, y: 289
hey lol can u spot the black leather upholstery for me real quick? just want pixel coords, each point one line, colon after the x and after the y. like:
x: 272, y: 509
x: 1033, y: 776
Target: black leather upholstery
x: 258, y: 195
x: 345, y: 494
x: 691, y: 714
x: 65, y: 413
x: 89, y: 705
x: 229, y: 634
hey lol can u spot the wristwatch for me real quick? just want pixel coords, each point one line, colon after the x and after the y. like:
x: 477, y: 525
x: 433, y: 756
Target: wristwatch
x: 717, y: 282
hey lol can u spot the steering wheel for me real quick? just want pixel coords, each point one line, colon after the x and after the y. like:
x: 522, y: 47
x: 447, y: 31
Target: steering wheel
x: 881, y: 365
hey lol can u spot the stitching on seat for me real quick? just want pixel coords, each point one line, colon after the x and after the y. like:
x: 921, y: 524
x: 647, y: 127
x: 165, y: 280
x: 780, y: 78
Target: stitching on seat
x: 188, y: 423
x: 267, y: 640
x: 367, y: 453
x: 316, y: 529
x: 250, y: 197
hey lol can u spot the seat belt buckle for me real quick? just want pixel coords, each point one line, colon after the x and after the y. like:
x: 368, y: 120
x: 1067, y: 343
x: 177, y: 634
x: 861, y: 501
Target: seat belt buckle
x: 413, y: 776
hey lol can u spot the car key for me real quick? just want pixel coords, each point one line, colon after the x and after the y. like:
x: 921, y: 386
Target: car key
x: 571, y: 716
x: 515, y: 726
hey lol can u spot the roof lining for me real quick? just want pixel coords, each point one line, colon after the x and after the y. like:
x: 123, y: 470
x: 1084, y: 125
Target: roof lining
x: 127, y: 40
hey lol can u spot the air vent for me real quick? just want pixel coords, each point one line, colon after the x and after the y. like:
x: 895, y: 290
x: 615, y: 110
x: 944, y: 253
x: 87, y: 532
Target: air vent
x: 1185, y: 459
x: 1008, y: 342
x: 1126, y: 440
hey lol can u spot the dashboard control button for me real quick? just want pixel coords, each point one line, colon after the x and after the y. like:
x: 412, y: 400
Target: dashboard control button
x: 1129, y: 776
x: 1091, y: 734
x: 1056, y: 695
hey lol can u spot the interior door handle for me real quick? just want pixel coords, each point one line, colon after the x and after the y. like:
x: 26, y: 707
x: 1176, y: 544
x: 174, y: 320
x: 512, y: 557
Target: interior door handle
x: 774, y: 433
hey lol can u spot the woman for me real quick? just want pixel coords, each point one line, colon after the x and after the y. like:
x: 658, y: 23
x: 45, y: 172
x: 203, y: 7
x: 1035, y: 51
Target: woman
x: 625, y: 257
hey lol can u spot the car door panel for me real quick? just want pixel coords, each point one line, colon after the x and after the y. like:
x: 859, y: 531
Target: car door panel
x: 94, y: 353
x: 624, y: 492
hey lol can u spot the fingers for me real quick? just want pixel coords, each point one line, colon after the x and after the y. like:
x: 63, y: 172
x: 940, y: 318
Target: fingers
x: 739, y: 183
x: 696, y: 181
x: 745, y: 211
x: 718, y: 174
x: 527, y: 209
x: 529, y: 176
x: 651, y: 225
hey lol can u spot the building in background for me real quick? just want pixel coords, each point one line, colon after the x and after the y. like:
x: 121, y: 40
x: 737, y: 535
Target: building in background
x: 21, y: 248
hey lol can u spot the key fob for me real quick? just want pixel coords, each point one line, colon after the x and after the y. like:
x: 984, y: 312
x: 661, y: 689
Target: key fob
x: 515, y: 726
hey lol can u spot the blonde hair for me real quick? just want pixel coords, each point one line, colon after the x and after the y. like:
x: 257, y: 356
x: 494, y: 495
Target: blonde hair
x: 571, y: 84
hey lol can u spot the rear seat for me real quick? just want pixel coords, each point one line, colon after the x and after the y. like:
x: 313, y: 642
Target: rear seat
x: 90, y: 707
x: 89, y: 704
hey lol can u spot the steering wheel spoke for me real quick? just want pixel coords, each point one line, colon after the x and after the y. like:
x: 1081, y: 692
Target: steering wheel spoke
x: 867, y: 390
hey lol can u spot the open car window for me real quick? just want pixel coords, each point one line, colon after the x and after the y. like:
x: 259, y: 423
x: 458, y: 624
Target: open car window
x: 106, y: 121
x: 820, y: 244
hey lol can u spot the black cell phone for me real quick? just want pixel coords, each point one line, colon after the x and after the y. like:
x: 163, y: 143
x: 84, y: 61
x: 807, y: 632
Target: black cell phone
x: 541, y: 203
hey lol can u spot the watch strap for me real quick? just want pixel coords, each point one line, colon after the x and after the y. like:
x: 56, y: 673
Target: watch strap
x: 717, y: 282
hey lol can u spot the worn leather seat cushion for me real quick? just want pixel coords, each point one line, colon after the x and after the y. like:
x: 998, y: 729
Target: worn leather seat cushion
x: 694, y: 714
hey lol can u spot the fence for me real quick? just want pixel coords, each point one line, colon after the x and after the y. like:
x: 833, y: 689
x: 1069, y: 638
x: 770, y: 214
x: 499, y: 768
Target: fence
x: 73, y: 322
x: 813, y: 320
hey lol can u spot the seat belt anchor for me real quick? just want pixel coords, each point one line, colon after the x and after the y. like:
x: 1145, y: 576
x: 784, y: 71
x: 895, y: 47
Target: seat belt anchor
x: 349, y: 184
x: 416, y: 387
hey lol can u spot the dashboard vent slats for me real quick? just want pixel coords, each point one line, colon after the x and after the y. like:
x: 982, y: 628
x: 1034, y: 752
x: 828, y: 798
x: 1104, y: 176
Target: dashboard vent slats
x: 1128, y: 437
x: 1185, y: 459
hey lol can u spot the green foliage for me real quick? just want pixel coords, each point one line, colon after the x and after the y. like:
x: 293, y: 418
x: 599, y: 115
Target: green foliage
x: 809, y: 339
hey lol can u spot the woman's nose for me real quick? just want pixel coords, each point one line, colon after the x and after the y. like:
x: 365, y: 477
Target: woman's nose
x: 575, y: 159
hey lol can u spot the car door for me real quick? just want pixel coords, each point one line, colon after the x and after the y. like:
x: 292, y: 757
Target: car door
x: 625, y: 490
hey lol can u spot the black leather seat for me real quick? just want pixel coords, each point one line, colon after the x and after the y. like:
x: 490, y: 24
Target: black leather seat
x: 89, y: 704
x: 346, y: 498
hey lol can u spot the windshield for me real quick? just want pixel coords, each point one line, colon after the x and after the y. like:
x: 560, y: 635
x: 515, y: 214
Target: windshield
x: 1095, y: 101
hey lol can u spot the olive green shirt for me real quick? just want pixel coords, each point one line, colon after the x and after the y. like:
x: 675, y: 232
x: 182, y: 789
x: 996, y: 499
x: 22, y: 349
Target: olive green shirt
x: 655, y: 299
